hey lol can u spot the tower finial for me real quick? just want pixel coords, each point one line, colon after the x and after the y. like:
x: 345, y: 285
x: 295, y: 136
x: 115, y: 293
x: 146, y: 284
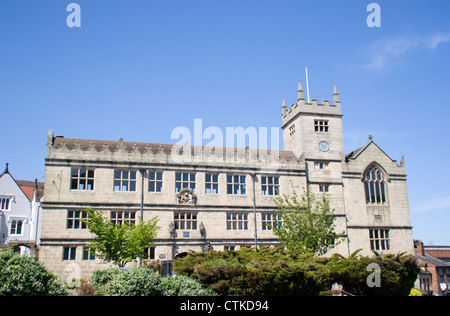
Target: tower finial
x: 284, y: 107
x: 300, y: 91
x: 335, y: 95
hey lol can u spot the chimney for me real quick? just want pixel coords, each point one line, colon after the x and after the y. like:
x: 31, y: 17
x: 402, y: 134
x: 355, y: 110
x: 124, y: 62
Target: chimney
x: 418, y: 245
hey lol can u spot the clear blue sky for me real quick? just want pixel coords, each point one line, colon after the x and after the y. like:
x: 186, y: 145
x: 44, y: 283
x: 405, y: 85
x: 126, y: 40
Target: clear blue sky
x: 137, y: 69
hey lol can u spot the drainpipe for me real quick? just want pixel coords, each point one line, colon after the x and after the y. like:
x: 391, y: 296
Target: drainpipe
x: 254, y: 210
x: 1, y: 225
x: 37, y: 205
x: 142, y: 193
x: 142, y: 203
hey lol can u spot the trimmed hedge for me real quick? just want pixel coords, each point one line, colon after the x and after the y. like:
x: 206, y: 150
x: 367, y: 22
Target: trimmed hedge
x: 274, y: 272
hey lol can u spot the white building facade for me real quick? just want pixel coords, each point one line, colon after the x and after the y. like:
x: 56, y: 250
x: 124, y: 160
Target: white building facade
x: 20, y: 213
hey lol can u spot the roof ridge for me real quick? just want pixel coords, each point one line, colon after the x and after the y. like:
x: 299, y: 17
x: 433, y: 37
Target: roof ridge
x: 164, y: 144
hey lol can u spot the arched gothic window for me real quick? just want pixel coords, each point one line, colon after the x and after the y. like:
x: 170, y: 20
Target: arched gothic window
x: 375, y: 186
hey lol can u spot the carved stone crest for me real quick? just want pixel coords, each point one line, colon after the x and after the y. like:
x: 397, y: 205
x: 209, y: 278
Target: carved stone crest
x: 186, y: 196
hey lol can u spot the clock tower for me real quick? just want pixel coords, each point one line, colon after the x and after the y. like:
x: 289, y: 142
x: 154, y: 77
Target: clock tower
x: 314, y: 131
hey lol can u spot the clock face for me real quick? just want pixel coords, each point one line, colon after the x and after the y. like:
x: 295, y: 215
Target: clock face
x: 323, y: 146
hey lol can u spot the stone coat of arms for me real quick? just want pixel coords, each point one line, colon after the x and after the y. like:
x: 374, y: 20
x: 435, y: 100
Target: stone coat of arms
x: 186, y: 196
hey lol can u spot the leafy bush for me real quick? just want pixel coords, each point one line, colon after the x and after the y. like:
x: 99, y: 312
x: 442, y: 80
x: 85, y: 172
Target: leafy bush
x: 264, y: 272
x: 23, y: 276
x: 85, y: 289
x: 273, y: 271
x: 182, y: 285
x: 417, y: 292
x: 100, y: 279
x: 398, y: 274
x: 144, y: 282
x: 131, y: 282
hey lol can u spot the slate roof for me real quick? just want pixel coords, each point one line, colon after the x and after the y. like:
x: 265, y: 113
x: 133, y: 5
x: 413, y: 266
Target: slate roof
x: 99, y: 145
x: 432, y: 260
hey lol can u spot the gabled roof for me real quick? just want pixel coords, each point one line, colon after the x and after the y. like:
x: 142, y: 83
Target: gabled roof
x: 6, y: 170
x: 354, y: 154
x: 27, y: 187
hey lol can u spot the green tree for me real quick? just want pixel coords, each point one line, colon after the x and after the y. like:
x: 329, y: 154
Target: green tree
x: 120, y: 243
x: 307, y: 225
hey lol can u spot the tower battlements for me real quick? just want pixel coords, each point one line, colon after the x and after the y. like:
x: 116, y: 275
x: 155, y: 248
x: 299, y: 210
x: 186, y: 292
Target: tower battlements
x: 313, y: 107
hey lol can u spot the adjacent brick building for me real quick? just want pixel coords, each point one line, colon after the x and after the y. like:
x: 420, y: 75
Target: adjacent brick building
x: 435, y: 275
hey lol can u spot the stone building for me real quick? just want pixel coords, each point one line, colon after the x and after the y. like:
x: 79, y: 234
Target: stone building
x: 222, y: 197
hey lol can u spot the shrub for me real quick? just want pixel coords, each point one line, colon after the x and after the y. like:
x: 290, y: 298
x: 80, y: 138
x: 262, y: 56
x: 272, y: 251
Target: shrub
x: 249, y: 272
x: 182, y: 285
x: 85, y: 289
x: 100, y: 279
x: 273, y: 271
x: 398, y: 274
x: 144, y: 282
x: 130, y: 282
x: 417, y: 292
x: 23, y: 276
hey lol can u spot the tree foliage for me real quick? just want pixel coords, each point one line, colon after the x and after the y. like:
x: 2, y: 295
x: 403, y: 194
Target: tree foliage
x: 308, y: 225
x: 120, y: 243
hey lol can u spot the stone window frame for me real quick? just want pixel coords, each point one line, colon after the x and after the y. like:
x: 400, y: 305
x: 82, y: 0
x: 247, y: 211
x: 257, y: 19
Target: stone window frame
x: 120, y: 217
x: 321, y: 126
x: 267, y: 187
x: 269, y: 219
x: 375, y: 190
x: 324, y: 187
x: 185, y: 220
x: 150, y: 253
x: 125, y: 180
x: 88, y: 254
x: 236, y: 181
x: 321, y: 165
x: 379, y: 239
x: 157, y: 182
x: 237, y: 221
x: 185, y: 180
x: 212, y: 185
x: 84, y: 181
x: 69, y: 253
x: 292, y: 130
x: 74, y: 218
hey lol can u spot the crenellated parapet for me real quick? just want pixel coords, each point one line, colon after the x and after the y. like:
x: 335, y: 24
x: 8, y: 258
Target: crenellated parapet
x: 313, y: 107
